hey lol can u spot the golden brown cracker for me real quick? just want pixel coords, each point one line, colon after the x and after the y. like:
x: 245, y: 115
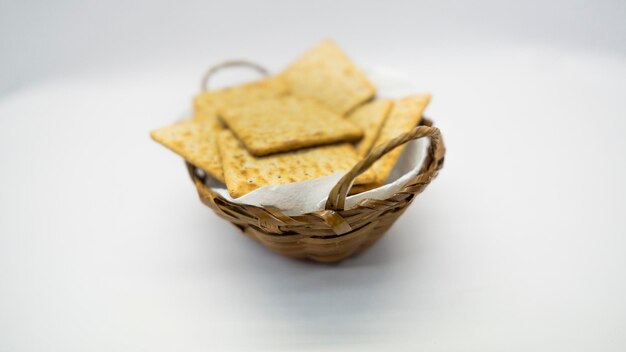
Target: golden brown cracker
x: 403, y: 117
x: 287, y: 123
x: 195, y: 141
x: 210, y: 102
x: 327, y: 75
x: 244, y: 172
x: 370, y: 117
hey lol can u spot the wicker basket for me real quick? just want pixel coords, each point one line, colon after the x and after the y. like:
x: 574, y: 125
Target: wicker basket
x: 335, y: 233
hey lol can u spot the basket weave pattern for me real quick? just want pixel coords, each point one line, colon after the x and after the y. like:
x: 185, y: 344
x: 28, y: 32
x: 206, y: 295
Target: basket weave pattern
x: 334, y: 233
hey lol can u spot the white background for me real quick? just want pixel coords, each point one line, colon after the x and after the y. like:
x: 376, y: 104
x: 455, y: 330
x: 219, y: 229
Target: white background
x: 518, y: 245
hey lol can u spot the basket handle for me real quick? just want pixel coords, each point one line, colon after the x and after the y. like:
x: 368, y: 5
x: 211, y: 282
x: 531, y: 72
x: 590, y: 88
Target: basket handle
x: 337, y: 197
x: 204, y: 83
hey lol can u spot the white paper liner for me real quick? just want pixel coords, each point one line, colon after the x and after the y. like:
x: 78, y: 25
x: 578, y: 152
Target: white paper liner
x: 308, y: 196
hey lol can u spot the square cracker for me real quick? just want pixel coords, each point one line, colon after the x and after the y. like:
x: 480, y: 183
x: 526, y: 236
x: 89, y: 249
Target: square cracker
x: 327, y: 75
x: 210, y: 102
x: 404, y: 116
x: 196, y: 141
x: 287, y: 123
x: 370, y: 117
x: 244, y: 172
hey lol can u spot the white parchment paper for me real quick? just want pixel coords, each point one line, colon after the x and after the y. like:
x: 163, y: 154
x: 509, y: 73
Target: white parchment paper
x: 307, y: 196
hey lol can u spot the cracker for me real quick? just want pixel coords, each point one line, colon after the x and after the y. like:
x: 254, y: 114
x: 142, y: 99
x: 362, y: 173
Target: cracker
x: 207, y: 114
x: 404, y: 116
x: 287, y: 123
x: 327, y: 75
x: 244, y: 172
x: 196, y: 141
x: 370, y: 117
x: 210, y: 102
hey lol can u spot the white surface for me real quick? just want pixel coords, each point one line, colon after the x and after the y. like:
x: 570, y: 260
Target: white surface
x: 518, y: 245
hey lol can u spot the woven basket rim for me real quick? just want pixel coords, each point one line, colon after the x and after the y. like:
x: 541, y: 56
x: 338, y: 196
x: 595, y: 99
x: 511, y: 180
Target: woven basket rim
x: 429, y: 170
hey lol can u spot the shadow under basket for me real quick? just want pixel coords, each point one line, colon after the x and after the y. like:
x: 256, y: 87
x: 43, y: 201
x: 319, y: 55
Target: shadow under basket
x: 335, y: 233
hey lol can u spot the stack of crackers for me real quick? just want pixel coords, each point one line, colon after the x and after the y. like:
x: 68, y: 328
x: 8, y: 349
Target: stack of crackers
x: 316, y: 118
